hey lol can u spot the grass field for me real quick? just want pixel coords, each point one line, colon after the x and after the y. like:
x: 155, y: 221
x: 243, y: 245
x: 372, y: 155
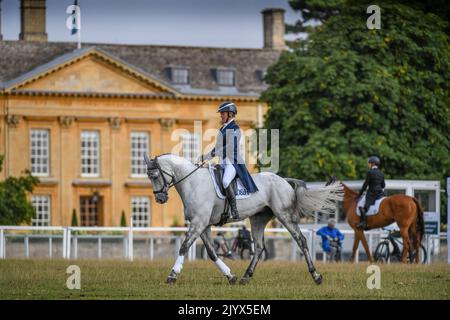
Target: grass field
x: 46, y: 279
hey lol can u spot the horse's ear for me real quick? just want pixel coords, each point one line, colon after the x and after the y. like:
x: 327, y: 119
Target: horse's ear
x: 147, y: 160
x: 331, y: 180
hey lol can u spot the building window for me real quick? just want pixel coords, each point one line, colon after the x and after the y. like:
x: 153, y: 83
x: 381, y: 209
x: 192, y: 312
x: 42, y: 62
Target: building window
x: 41, y: 205
x: 139, y: 147
x: 225, y: 77
x: 261, y: 74
x: 39, y: 152
x: 179, y: 75
x: 140, y: 209
x: 191, y: 146
x: 90, y: 154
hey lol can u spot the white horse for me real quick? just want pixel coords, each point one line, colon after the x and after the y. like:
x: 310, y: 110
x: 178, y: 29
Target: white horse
x: 276, y: 197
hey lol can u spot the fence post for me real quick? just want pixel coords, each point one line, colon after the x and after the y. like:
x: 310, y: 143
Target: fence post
x: 130, y: 240
x: 64, y: 245
x: 69, y: 236
x: 293, y: 250
x: 125, y: 247
x: 152, y: 248
x: 50, y: 246
x: 2, y: 243
x: 428, y: 237
x: 75, y: 246
x: 99, y: 247
x: 177, y: 246
x: 312, y: 248
x: 27, y: 246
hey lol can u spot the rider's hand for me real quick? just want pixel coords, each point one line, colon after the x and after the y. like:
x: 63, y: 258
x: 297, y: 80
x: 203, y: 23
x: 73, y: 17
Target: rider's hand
x: 336, y: 238
x: 328, y: 238
x: 207, y: 157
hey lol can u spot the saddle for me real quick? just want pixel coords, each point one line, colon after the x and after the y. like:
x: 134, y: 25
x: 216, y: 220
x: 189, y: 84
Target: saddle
x: 218, y: 175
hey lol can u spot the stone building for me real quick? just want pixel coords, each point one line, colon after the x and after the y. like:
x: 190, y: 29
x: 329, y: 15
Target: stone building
x: 81, y: 120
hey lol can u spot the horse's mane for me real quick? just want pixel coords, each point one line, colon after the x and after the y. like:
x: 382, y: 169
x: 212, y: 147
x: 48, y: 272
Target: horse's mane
x: 351, y: 192
x: 175, y: 158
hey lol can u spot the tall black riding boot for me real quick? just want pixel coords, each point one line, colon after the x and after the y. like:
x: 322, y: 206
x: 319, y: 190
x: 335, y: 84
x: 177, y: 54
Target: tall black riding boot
x: 231, y: 197
x: 363, y: 221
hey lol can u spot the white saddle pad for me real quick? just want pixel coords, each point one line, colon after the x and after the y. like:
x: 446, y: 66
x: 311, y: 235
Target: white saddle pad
x: 373, y: 209
x: 241, y: 192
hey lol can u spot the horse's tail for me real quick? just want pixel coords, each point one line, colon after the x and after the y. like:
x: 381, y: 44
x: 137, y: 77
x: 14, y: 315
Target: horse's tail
x: 420, y: 221
x: 318, y: 199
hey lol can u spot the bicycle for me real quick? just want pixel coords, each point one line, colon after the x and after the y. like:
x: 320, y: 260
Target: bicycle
x: 240, y: 247
x: 390, y: 250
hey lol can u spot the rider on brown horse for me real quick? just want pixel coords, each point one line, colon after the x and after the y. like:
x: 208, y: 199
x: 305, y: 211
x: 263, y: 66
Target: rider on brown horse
x: 375, y: 182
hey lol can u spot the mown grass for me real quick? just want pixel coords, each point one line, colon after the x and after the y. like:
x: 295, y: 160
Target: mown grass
x: 113, y: 279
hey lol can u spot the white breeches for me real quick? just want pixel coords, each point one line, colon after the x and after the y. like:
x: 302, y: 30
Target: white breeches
x: 229, y: 174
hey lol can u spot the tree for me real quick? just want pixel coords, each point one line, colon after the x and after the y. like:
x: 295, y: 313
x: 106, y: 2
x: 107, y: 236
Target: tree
x: 349, y: 92
x: 14, y: 206
x: 123, y: 220
x: 74, y: 218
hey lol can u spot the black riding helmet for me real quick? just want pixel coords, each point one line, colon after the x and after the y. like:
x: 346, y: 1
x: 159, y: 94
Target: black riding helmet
x: 374, y: 160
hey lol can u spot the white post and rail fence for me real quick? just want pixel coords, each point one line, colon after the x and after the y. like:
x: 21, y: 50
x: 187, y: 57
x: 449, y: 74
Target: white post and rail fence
x: 70, y: 237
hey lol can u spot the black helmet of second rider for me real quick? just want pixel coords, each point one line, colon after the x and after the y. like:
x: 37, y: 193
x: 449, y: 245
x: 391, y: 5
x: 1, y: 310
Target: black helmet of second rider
x: 374, y: 160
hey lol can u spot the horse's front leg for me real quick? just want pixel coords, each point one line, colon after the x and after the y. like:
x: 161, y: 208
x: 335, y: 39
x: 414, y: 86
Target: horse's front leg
x: 355, y: 245
x: 206, y: 237
x: 195, y: 230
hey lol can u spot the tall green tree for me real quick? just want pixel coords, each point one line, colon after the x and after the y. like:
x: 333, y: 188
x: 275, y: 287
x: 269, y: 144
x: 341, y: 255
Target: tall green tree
x: 349, y: 92
x: 14, y: 206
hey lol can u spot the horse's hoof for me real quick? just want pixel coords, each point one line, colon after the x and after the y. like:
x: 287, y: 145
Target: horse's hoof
x: 317, y: 278
x: 171, y: 280
x: 232, y: 279
x: 244, y: 281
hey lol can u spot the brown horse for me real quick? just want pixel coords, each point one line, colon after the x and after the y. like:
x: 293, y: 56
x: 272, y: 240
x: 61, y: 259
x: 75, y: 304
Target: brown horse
x: 403, y: 209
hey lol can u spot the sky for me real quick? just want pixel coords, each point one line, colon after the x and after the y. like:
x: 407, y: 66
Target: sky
x: 216, y: 23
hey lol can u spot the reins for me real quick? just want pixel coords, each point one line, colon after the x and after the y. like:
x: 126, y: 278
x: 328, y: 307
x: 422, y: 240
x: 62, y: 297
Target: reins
x: 186, y: 176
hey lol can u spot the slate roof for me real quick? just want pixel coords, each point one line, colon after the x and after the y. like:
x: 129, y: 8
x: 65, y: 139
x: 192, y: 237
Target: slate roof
x: 17, y: 58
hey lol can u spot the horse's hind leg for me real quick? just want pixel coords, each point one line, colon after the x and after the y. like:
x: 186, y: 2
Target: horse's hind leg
x: 405, y: 236
x: 294, y: 230
x: 258, y: 224
x: 206, y: 237
x: 195, y: 230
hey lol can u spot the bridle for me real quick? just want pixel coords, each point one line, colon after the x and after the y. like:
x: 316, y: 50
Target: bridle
x: 154, y: 165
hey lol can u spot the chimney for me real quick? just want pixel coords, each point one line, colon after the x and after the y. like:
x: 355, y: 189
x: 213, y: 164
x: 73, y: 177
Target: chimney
x: 273, y: 22
x: 32, y: 20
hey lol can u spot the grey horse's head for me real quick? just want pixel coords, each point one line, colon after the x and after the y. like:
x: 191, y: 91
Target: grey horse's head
x: 158, y: 178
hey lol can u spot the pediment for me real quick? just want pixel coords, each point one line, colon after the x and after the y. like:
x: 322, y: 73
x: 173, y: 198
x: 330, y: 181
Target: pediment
x: 92, y: 72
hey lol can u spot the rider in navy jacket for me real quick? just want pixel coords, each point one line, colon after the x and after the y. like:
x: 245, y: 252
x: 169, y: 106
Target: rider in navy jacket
x: 227, y: 149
